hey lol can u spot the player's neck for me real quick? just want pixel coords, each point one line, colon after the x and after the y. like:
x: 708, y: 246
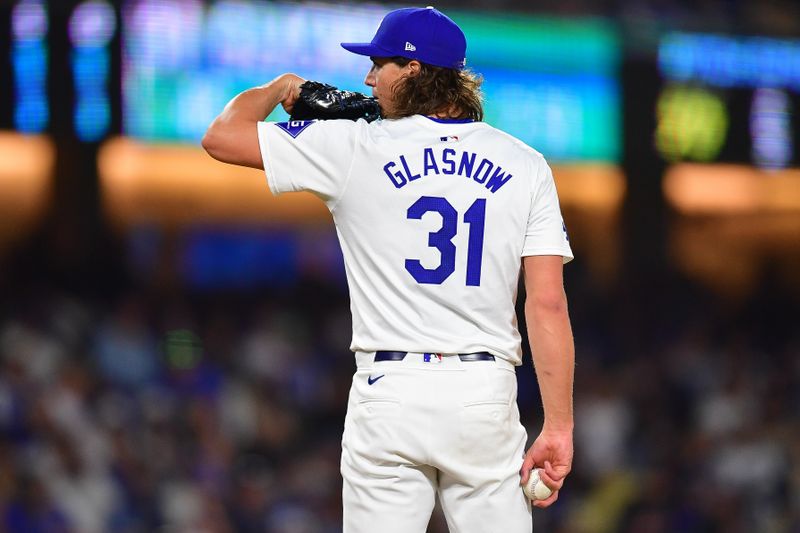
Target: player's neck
x: 452, y: 112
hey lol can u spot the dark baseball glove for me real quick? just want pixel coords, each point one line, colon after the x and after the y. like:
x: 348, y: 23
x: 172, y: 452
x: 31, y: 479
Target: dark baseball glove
x: 323, y: 101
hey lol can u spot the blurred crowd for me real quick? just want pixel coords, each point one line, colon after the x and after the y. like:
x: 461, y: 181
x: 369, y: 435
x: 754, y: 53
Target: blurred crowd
x: 222, y: 411
x: 150, y: 414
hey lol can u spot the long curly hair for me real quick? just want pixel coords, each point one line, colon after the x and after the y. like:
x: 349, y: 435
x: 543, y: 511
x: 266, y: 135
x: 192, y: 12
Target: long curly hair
x: 438, y: 90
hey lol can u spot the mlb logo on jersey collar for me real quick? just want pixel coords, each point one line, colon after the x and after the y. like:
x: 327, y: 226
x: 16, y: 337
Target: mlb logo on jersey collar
x: 435, y: 357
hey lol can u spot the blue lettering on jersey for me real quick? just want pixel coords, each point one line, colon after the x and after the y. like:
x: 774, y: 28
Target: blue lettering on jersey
x: 397, y: 178
x: 430, y: 163
x: 294, y: 127
x: 449, y: 162
x: 497, y: 180
x: 447, y: 153
x: 465, y: 168
x: 480, y: 174
x: 409, y: 175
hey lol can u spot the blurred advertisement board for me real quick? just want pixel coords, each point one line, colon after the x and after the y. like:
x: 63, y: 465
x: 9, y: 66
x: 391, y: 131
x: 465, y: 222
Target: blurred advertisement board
x: 550, y: 82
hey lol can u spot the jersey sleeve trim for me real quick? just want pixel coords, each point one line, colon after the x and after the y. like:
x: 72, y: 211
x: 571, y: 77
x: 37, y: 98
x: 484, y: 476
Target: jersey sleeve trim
x: 563, y: 252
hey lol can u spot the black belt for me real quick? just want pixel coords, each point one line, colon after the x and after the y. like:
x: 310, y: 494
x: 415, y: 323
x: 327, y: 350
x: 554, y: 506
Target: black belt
x: 399, y: 356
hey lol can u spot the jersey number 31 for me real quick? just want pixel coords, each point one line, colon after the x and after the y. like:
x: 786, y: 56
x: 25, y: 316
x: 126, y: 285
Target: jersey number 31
x: 442, y: 240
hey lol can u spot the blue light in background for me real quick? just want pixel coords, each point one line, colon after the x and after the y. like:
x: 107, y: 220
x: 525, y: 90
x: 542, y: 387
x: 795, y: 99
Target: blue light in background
x: 91, y: 28
x: 241, y: 257
x: 29, y: 60
x: 215, y: 258
x: 569, y: 117
x: 723, y: 61
x: 92, y: 24
x: 163, y: 77
x: 770, y: 129
x: 92, y: 113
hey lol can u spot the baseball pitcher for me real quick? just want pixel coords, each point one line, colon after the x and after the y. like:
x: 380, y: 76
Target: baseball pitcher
x: 437, y: 214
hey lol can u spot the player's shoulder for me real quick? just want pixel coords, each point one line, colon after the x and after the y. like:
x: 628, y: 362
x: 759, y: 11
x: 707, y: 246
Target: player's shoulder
x: 337, y: 123
x: 513, y: 143
x: 526, y: 158
x: 385, y: 130
x: 328, y: 128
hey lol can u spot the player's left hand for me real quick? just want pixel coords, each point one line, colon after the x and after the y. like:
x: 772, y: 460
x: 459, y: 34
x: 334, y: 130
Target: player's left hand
x: 552, y: 452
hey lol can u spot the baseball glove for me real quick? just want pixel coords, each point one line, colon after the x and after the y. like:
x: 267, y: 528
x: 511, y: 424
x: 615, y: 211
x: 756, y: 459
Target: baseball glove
x: 322, y: 101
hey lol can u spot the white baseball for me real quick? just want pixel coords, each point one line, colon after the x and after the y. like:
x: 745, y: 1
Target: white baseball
x: 535, y: 489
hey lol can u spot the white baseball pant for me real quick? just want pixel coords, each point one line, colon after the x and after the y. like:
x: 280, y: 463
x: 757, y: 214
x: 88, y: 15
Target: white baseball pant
x: 428, y: 426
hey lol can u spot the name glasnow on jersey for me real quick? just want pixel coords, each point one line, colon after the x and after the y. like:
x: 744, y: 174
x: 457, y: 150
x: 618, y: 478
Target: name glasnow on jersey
x: 448, y: 161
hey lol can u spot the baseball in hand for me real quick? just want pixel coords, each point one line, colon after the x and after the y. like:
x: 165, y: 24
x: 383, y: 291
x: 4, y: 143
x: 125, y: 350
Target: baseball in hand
x: 535, y: 489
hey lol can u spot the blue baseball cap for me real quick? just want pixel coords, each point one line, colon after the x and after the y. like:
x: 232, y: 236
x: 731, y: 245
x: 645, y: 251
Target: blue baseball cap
x: 424, y: 34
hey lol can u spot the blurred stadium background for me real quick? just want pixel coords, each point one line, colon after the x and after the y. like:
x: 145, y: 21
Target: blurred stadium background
x: 173, y: 342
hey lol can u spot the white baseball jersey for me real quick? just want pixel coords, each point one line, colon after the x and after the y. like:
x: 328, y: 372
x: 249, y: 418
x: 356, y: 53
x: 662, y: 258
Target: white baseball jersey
x: 433, y: 217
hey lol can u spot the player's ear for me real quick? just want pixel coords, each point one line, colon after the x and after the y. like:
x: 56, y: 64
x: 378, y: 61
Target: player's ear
x: 413, y: 67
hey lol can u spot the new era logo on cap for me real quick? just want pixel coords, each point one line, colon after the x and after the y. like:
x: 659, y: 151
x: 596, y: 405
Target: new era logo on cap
x: 410, y: 47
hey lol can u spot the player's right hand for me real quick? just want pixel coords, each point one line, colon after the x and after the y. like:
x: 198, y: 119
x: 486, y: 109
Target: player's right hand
x: 291, y: 90
x: 552, y: 452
